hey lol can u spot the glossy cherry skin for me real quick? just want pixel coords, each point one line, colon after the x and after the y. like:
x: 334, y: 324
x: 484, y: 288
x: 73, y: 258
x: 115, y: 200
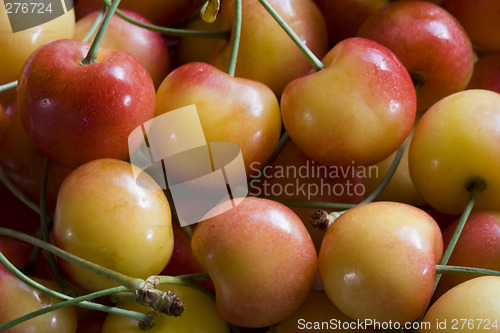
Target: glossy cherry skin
x: 356, y: 111
x: 230, y: 109
x: 479, y: 19
x: 316, y: 310
x: 22, y: 163
x: 486, y: 73
x: 378, y: 261
x: 344, y: 17
x: 162, y: 12
x: 77, y: 113
x: 429, y: 41
x: 470, y: 307
x: 19, y: 299
x: 103, y: 215
x: 19, y: 252
x: 147, y: 45
x: 294, y: 176
x: 201, y: 315
x: 266, y: 53
x: 260, y: 258
x: 477, y: 247
x: 16, y: 47
x: 456, y: 141
x: 400, y: 188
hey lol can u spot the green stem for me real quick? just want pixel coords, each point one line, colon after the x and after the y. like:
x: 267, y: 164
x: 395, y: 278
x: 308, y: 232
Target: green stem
x: 445, y: 269
x: 196, y: 277
x: 388, y: 175
x: 18, y: 194
x: 315, y: 62
x: 91, y: 57
x: 122, y: 279
x: 272, y: 329
x: 85, y: 304
x: 63, y: 284
x: 475, y: 187
x: 171, y: 31
x: 69, y: 302
x: 125, y: 296
x: 236, y: 38
x: 95, y: 25
x: 8, y: 86
x: 164, y: 279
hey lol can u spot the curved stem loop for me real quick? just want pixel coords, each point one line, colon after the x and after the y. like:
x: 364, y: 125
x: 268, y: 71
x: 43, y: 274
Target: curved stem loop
x: 171, y: 31
x: 236, y: 38
x: 388, y: 175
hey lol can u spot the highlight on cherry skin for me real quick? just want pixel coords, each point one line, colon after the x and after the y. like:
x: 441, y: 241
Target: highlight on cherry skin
x: 364, y: 89
x: 377, y: 261
x: 455, y: 142
x: 86, y: 248
x: 96, y: 200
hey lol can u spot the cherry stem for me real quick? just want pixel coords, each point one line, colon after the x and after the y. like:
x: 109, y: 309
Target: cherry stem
x: 78, y: 301
x: 122, y: 279
x: 171, y: 31
x: 315, y: 62
x: 69, y: 302
x: 8, y: 86
x: 90, y: 33
x: 95, y: 25
x: 63, y: 284
x: 236, y: 38
x: 475, y: 187
x: 272, y: 329
x: 322, y: 220
x: 196, y: 277
x: 388, y: 175
x: 340, y: 206
x: 18, y: 194
x: 148, y: 295
x: 446, y: 269
x: 91, y: 57
x: 186, y: 281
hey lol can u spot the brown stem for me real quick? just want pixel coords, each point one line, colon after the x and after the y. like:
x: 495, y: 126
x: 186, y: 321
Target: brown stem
x: 162, y: 301
x: 320, y: 219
